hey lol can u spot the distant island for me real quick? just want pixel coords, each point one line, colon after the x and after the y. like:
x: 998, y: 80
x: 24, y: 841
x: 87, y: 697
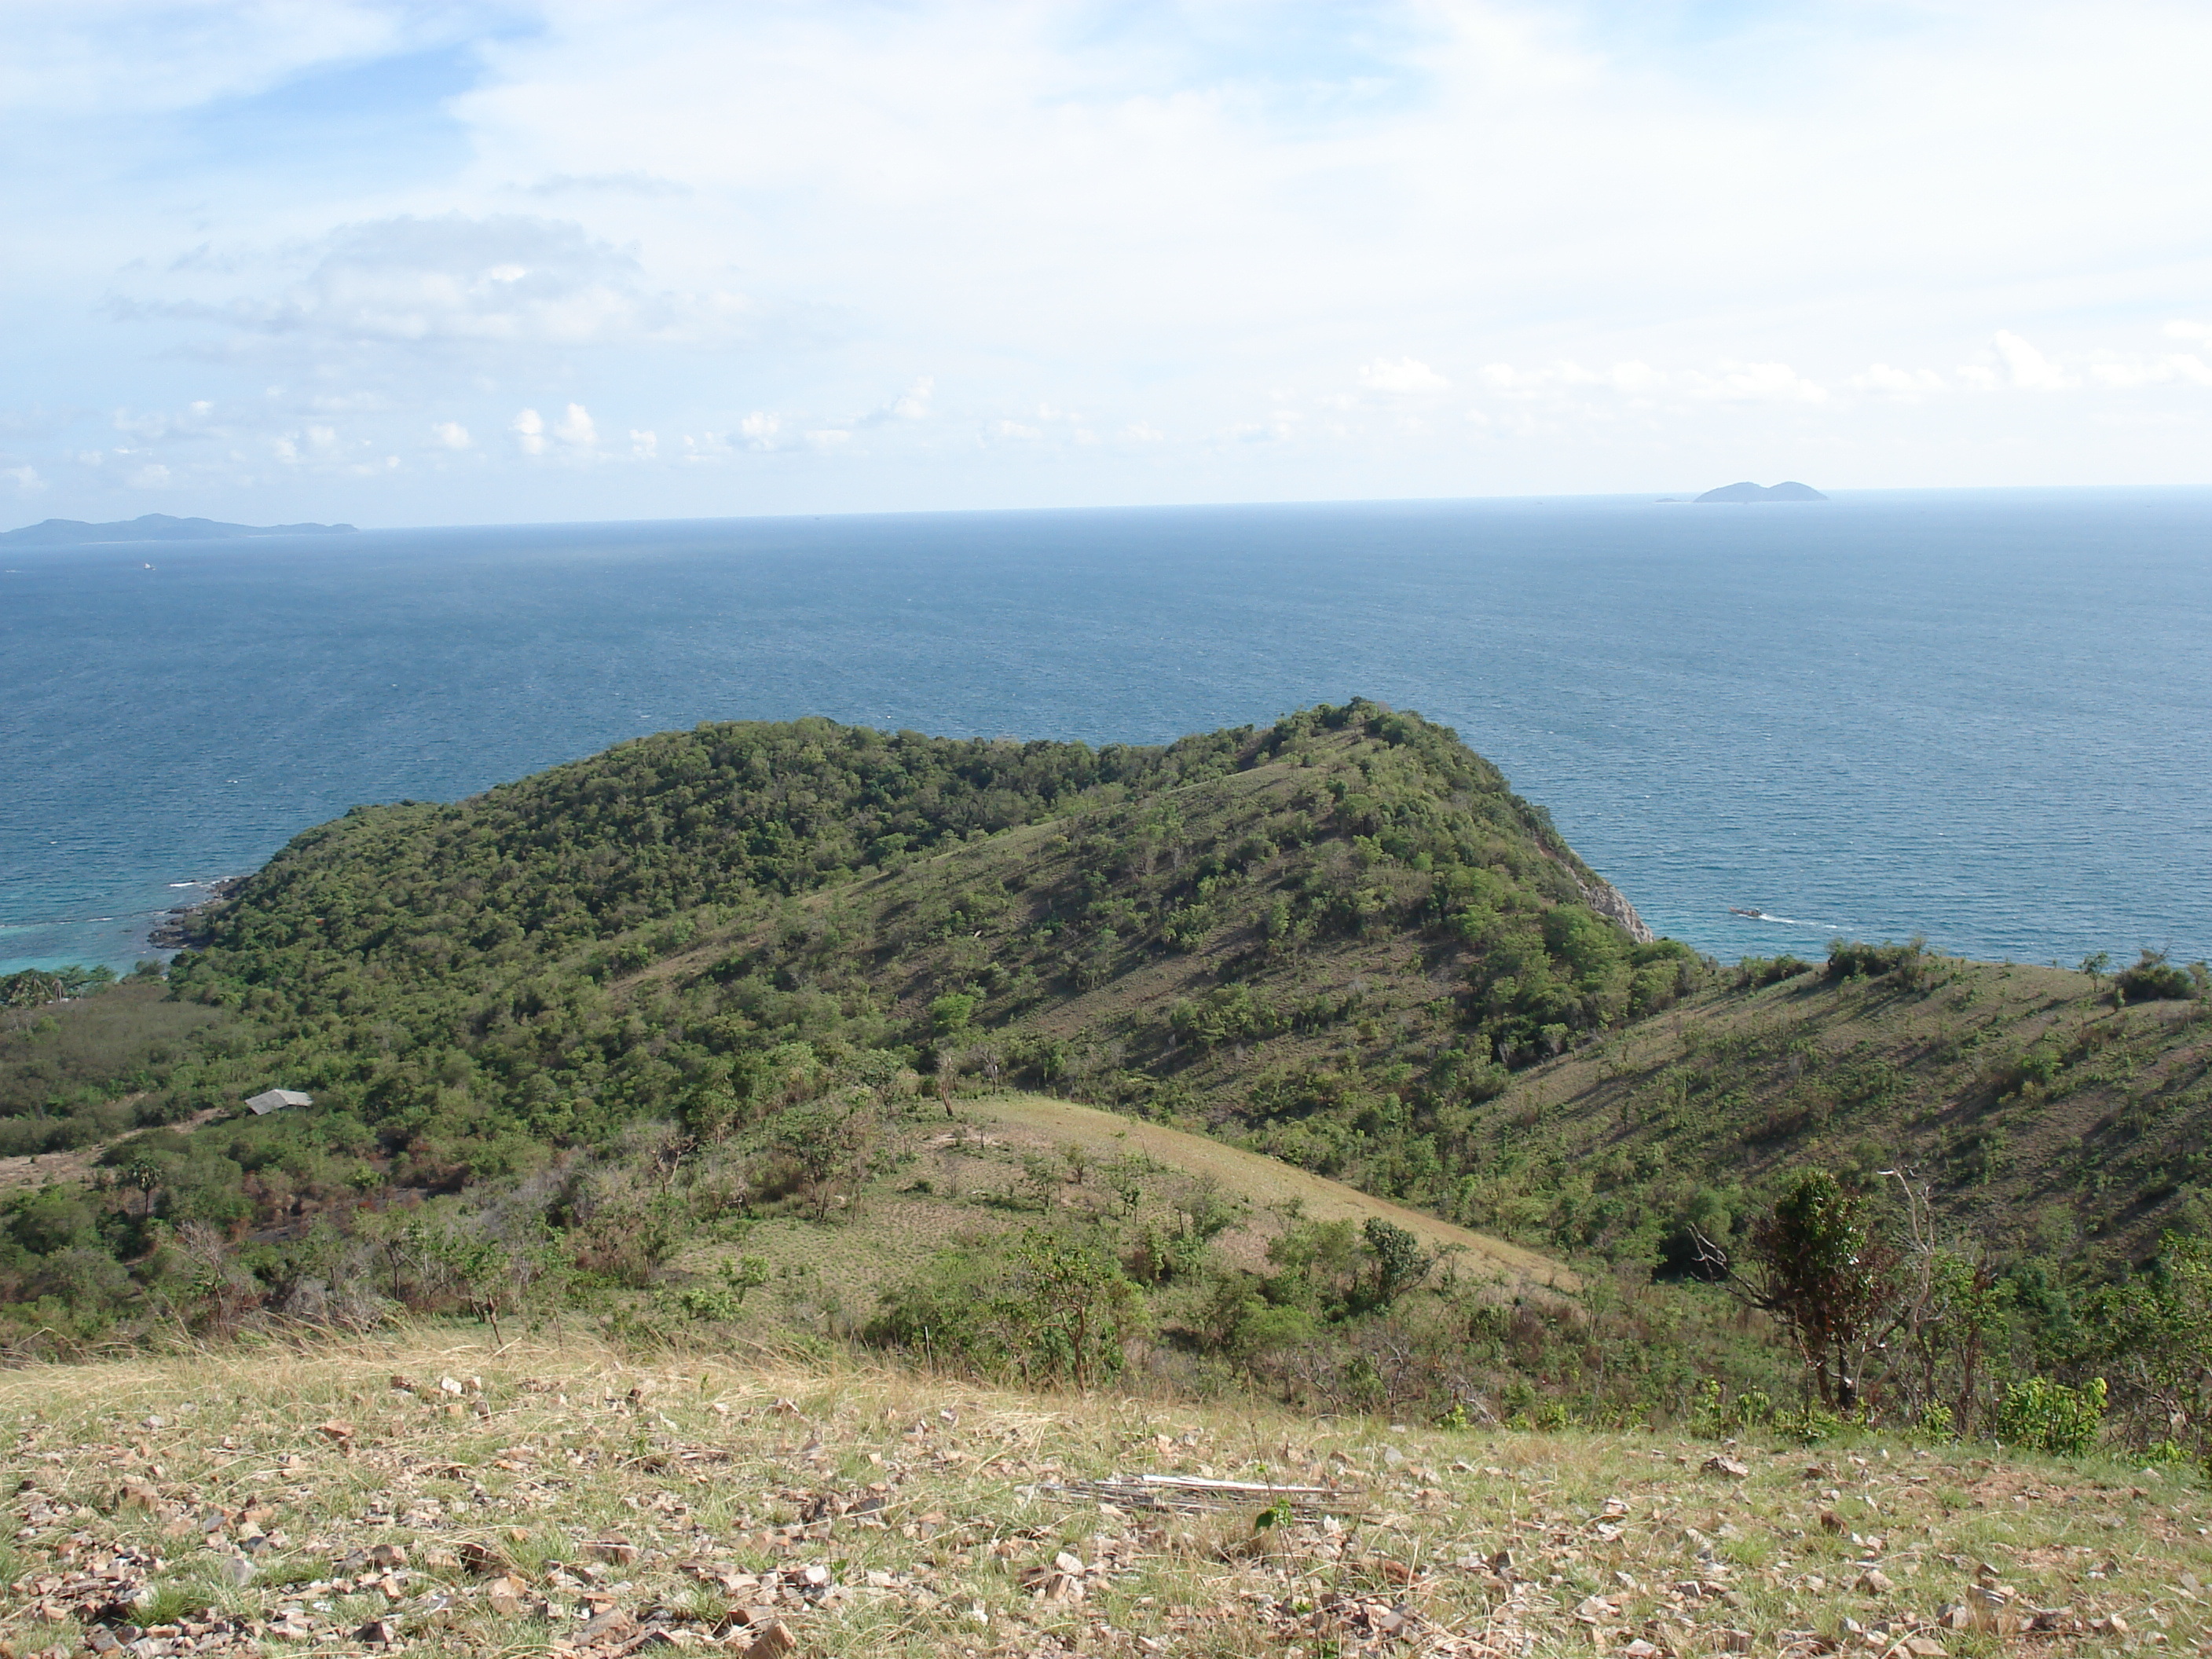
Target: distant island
x: 1751, y: 492
x: 156, y: 527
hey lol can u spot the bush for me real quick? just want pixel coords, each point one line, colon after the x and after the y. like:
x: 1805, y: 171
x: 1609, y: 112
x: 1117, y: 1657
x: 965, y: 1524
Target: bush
x: 2155, y: 979
x: 1753, y: 972
x: 1044, y: 1307
x: 2044, y: 1416
x: 1849, y: 960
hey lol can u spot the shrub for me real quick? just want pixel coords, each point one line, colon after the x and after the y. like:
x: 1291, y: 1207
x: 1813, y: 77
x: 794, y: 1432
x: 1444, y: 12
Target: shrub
x: 2045, y: 1416
x: 2155, y: 979
x: 1042, y: 1306
x: 1849, y: 960
x: 1753, y: 972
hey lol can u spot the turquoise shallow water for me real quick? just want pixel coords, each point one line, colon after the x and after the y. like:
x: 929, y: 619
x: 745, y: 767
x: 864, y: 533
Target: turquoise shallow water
x: 1984, y: 717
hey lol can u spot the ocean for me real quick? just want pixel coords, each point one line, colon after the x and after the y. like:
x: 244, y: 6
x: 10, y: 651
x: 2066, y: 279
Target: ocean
x: 1984, y: 717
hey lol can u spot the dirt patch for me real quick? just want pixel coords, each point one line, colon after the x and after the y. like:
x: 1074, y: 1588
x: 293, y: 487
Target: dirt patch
x: 42, y: 1169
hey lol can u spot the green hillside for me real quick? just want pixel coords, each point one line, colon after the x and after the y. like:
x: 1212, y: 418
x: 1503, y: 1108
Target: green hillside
x: 1334, y: 926
x: 2048, y: 1117
x: 599, y: 1039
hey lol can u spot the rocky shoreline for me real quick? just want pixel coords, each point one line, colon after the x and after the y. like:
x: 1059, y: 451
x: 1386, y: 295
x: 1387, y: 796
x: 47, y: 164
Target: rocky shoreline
x: 169, y: 932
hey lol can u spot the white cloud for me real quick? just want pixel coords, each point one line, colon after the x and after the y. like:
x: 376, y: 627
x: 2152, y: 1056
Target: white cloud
x: 26, y: 478
x: 1910, y: 384
x: 1753, y: 383
x: 452, y: 434
x: 578, y: 427
x: 529, y: 429
x: 645, y: 445
x: 914, y: 404
x: 482, y: 282
x: 121, y: 55
x: 154, y: 475
x: 1631, y: 379
x: 157, y: 424
x: 1189, y: 210
x: 2131, y: 373
x: 2029, y: 368
x: 829, y: 437
x: 1400, y: 375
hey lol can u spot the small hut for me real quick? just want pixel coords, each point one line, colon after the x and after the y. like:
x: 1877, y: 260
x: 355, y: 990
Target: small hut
x: 275, y: 1100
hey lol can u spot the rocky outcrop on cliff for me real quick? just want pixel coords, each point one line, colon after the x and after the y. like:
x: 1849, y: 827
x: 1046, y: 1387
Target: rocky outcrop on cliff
x: 1613, y: 904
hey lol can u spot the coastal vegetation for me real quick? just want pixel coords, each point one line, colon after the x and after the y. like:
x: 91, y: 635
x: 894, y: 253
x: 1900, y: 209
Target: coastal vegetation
x: 725, y: 1034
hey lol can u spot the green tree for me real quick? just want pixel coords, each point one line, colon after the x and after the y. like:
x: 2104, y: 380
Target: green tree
x: 1818, y: 1266
x: 2155, y: 1338
x: 1396, y: 1262
x: 1069, y: 1302
x: 949, y: 1014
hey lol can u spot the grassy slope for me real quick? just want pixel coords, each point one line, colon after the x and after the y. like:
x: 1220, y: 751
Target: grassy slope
x: 1268, y: 1186
x: 1365, y: 1017
x: 1607, y: 1147
x: 1733, y: 1087
x: 949, y: 1181
x: 725, y: 1483
x: 68, y: 1057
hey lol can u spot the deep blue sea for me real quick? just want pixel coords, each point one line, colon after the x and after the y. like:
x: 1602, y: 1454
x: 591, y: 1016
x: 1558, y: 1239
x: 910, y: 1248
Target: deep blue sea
x: 1982, y: 716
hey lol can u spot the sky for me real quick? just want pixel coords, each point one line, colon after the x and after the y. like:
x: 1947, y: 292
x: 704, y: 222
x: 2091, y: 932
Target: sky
x: 471, y: 261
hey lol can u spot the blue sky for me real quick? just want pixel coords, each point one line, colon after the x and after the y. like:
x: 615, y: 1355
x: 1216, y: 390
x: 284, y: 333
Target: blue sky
x: 409, y: 264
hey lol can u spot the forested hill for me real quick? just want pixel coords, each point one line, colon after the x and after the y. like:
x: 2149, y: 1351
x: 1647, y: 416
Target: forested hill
x: 578, y: 1036
x: 619, y: 938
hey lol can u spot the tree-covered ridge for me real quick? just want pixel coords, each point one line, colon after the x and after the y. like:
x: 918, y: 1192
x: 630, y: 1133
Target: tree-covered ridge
x: 709, y: 926
x: 652, y: 827
x: 479, y: 972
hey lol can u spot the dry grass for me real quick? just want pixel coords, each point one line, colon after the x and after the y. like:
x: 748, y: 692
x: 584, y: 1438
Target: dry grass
x: 944, y: 1181
x: 1267, y: 1184
x: 565, y: 1495
x: 45, y: 1169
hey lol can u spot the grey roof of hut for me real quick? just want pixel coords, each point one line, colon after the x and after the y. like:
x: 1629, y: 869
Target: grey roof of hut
x: 275, y: 1100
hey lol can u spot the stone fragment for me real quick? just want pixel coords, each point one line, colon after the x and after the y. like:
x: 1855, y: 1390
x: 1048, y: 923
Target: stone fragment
x: 506, y: 1596
x: 609, y: 1626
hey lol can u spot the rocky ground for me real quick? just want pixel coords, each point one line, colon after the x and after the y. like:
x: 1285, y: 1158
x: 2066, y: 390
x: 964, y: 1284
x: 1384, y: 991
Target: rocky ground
x: 440, y: 1495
